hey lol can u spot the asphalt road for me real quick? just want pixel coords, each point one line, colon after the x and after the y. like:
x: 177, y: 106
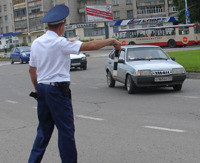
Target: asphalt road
x: 153, y: 126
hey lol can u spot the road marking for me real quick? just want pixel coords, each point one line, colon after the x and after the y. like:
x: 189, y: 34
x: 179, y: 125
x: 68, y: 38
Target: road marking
x: 92, y: 118
x: 12, y: 102
x: 165, y: 129
x: 192, y: 97
x: 93, y: 87
x: 3, y: 64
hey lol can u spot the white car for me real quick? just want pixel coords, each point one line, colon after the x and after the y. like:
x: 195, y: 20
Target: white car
x: 144, y: 66
x: 78, y: 61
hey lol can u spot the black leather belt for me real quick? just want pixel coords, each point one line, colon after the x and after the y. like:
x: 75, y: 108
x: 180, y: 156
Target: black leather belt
x: 57, y: 84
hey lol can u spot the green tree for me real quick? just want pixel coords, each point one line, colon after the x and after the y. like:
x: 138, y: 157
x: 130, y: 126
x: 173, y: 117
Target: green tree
x: 193, y: 7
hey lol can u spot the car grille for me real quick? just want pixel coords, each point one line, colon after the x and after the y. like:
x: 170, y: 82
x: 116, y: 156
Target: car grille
x: 75, y: 60
x: 162, y: 72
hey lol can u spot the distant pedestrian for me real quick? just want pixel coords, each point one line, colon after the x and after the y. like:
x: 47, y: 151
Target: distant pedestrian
x: 5, y: 48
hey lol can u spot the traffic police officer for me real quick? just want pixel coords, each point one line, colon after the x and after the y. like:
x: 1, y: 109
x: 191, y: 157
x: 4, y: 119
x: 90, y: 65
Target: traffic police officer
x: 49, y: 69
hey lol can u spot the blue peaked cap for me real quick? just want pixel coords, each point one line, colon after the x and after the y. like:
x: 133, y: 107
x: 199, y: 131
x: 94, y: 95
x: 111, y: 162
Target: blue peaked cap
x: 56, y: 15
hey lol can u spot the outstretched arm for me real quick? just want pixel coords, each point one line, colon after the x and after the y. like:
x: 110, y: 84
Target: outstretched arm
x: 98, y: 44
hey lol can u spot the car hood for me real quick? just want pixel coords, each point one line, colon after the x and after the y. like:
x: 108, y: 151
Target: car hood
x: 77, y: 56
x: 154, y: 65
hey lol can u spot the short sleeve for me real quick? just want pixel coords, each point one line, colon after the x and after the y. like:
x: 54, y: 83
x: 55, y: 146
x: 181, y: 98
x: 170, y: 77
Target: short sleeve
x: 70, y: 47
x: 32, y: 61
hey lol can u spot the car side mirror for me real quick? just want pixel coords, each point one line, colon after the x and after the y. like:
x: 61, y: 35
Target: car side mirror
x: 172, y: 58
x: 121, y: 61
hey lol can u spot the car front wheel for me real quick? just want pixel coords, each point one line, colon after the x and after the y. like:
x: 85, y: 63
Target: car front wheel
x: 20, y: 60
x: 11, y: 61
x: 130, y: 85
x: 110, y: 80
x: 177, y: 87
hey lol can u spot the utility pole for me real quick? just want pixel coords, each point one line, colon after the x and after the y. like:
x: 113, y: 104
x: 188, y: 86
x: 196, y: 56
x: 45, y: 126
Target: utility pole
x: 187, y: 13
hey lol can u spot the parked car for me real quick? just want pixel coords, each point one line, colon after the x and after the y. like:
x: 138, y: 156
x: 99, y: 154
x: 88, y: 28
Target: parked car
x: 78, y: 61
x: 144, y: 66
x: 20, y: 54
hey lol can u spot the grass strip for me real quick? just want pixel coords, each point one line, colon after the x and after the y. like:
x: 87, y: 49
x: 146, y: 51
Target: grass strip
x: 190, y: 60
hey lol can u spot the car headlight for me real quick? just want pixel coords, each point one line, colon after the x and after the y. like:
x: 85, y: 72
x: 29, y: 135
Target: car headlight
x: 83, y: 58
x: 144, y: 73
x: 24, y: 54
x: 178, y: 71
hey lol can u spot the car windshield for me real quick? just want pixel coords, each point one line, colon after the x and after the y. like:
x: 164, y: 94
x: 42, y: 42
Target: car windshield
x: 25, y: 49
x: 146, y: 53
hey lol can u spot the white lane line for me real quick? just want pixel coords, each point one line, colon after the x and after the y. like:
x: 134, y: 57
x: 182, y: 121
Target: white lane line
x: 165, y: 129
x: 92, y: 118
x: 93, y: 87
x: 3, y: 64
x: 192, y: 97
x: 12, y: 102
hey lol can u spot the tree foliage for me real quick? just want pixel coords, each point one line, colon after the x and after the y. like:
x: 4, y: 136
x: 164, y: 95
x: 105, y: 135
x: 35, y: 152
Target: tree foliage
x: 193, y: 7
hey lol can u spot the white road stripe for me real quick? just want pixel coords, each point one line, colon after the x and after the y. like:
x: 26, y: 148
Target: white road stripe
x: 12, y: 102
x: 92, y: 118
x: 3, y: 64
x: 193, y: 97
x: 165, y: 129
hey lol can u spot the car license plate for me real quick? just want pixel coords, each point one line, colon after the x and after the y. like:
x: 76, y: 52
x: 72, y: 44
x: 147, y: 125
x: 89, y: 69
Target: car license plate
x: 75, y: 64
x: 162, y: 79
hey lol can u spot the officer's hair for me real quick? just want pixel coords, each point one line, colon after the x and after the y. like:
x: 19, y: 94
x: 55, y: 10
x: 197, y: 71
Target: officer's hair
x: 55, y: 26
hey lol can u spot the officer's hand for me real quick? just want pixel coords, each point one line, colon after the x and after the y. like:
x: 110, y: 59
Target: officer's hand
x: 117, y: 45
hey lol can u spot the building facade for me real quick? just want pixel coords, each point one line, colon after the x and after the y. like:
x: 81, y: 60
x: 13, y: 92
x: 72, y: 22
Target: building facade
x: 27, y: 15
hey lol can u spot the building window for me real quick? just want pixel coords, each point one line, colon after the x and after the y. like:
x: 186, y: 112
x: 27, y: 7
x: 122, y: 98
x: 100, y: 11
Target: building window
x: 128, y: 2
x: 6, y: 18
x: 7, y: 29
x: 5, y: 8
x: 29, y: 39
x: 35, y: 23
x: 34, y: 10
x: 20, y: 13
x: 149, y: 10
x: 129, y: 13
x: 21, y: 24
x: 0, y: 8
x: 18, y: 1
x: 99, y: 2
x: 0, y: 19
x: 116, y: 14
x: 94, y: 31
x: 115, y: 2
x: 70, y: 33
x: 24, y: 40
x: 1, y: 30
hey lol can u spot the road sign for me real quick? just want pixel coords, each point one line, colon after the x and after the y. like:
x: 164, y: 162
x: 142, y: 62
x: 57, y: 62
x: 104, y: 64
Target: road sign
x: 188, y: 20
x: 187, y: 13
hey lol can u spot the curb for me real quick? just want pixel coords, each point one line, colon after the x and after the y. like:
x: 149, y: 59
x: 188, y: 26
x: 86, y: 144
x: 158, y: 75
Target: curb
x: 192, y: 75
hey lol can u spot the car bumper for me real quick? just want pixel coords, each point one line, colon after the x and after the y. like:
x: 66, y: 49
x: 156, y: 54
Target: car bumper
x: 78, y: 64
x: 25, y: 59
x: 150, y: 81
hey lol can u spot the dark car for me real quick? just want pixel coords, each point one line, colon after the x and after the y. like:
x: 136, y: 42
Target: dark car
x: 78, y: 61
x: 20, y: 54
